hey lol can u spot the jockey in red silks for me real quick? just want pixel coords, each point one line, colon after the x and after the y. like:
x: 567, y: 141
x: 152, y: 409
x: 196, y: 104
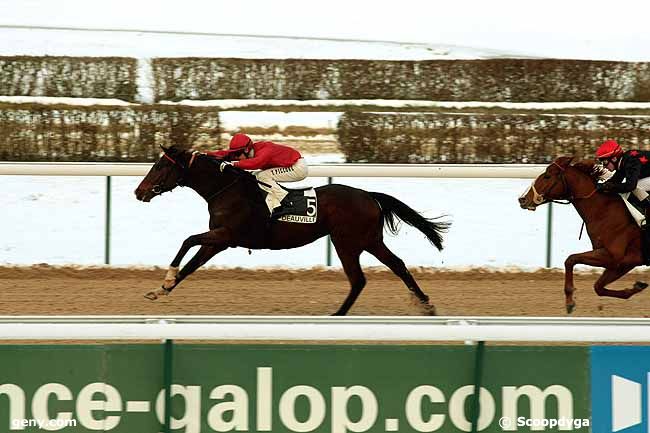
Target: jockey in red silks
x: 632, y: 171
x: 278, y: 163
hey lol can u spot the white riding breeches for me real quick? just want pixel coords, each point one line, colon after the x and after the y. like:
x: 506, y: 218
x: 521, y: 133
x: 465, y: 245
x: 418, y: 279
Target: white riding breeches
x: 298, y: 171
x: 642, y: 186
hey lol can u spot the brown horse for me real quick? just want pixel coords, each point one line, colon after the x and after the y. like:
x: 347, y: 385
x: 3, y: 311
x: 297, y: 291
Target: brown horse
x: 615, y: 236
x: 355, y: 220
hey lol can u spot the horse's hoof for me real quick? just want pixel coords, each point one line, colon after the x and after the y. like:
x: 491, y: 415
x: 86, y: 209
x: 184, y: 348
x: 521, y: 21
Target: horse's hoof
x: 430, y: 310
x: 640, y: 285
x: 570, y: 308
x: 151, y: 296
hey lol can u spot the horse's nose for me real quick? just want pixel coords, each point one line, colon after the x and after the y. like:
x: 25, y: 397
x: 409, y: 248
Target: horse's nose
x: 522, y: 199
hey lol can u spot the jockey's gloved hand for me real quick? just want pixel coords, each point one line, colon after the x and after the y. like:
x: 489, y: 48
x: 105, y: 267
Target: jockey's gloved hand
x: 603, y: 187
x: 223, y: 165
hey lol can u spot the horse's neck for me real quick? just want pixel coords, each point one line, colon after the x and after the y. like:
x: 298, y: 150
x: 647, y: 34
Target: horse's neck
x: 590, y: 205
x: 207, y: 181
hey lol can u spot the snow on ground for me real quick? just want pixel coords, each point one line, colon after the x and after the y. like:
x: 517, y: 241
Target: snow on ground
x: 581, y: 29
x: 590, y: 105
x: 60, y: 220
x: 52, y: 42
x: 231, y: 104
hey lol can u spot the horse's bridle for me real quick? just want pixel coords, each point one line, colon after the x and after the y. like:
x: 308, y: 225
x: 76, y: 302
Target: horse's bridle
x: 539, y: 199
x: 159, y: 189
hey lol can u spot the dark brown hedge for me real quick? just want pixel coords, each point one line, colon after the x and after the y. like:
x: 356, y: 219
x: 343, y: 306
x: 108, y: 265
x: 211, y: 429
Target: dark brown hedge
x: 495, y: 80
x: 33, y: 132
x: 81, y: 77
x: 483, y: 138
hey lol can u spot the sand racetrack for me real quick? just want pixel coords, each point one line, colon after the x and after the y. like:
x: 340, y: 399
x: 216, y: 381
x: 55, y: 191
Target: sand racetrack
x: 46, y: 290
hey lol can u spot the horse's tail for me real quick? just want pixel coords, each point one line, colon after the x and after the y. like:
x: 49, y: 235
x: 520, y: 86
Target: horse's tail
x: 392, y: 207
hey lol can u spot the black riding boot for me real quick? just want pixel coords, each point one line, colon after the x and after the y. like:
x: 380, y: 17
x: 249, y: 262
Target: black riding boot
x: 646, y: 212
x: 285, y: 208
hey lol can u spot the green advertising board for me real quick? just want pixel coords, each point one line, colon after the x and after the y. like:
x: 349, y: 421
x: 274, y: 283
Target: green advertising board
x: 288, y: 388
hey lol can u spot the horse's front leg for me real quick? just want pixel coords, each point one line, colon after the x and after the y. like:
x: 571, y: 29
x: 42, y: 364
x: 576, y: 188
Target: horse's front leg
x: 211, y: 243
x: 599, y: 258
x: 611, y: 275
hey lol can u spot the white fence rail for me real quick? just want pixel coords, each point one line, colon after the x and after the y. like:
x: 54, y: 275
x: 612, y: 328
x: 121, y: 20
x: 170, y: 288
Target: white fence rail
x: 265, y: 328
x: 503, y: 171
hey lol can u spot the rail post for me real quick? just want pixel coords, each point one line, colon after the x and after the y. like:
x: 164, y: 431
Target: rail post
x: 549, y: 234
x: 107, y: 229
x: 478, y: 375
x: 167, y: 382
x: 329, y: 241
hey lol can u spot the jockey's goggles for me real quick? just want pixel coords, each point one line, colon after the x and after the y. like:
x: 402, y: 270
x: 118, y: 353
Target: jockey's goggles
x: 606, y: 160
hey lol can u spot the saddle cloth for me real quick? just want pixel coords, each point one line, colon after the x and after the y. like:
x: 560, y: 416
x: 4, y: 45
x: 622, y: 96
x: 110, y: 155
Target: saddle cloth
x: 634, y: 207
x: 299, y: 206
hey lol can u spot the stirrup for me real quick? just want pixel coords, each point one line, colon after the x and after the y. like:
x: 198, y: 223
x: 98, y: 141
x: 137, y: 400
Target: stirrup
x: 280, y: 211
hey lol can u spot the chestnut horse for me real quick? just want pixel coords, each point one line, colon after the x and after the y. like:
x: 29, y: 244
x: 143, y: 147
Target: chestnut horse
x: 615, y: 237
x: 239, y: 217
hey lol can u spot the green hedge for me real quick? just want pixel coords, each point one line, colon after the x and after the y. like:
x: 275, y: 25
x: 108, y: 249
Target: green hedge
x: 80, y: 77
x: 33, y: 132
x: 483, y: 138
x: 497, y: 80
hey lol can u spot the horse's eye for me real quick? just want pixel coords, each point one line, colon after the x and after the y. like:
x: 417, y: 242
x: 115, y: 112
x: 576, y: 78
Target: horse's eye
x: 547, y: 176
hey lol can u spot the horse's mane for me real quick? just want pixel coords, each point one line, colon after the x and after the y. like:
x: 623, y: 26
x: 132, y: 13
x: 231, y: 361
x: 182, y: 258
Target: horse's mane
x: 248, y: 178
x: 590, y: 168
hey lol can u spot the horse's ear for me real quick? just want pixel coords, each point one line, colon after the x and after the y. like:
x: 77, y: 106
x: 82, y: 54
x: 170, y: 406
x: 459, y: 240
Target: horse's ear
x: 564, y: 161
x: 171, y: 150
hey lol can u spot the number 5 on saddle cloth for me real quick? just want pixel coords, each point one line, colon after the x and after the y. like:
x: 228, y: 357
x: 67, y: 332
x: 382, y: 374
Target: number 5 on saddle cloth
x: 299, y: 206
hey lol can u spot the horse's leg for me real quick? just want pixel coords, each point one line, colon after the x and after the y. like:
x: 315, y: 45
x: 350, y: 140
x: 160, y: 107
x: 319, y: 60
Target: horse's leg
x: 599, y: 258
x: 350, y: 261
x: 395, y: 264
x: 174, y: 277
x: 611, y: 275
x: 613, y: 271
x: 211, y: 243
x: 205, y: 253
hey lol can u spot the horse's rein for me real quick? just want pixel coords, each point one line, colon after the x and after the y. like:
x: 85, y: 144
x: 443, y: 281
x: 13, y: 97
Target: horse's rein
x: 157, y: 188
x: 194, y: 153
x: 539, y: 198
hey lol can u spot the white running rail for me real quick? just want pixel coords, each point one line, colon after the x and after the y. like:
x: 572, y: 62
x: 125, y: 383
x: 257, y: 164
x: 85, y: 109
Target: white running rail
x: 504, y: 171
x: 376, y: 328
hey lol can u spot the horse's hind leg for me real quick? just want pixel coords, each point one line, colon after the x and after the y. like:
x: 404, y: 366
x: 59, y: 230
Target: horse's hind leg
x: 395, y: 264
x: 352, y: 267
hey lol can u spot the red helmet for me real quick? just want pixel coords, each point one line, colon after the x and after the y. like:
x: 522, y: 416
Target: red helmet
x: 609, y: 149
x: 240, y: 142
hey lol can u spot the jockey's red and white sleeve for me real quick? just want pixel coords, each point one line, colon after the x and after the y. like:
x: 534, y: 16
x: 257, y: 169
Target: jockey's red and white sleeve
x: 218, y: 153
x: 259, y: 161
x: 269, y: 155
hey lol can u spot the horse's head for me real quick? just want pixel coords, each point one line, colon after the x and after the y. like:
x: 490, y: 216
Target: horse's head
x: 549, y: 186
x: 165, y: 175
